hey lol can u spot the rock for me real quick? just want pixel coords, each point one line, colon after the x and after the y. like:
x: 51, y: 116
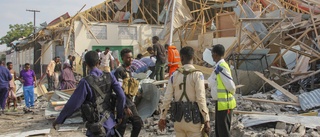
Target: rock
x: 289, y: 128
x: 310, y: 130
x: 268, y: 133
x: 281, y: 125
x: 249, y: 134
x: 302, y: 130
x: 281, y: 132
x: 260, y: 96
x: 315, y: 134
x: 155, y: 122
x: 318, y: 129
x: 295, y: 135
x: 148, y: 122
x: 295, y: 127
x: 161, y: 132
x: 171, y: 129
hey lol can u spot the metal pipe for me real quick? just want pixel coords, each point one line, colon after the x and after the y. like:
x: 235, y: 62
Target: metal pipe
x: 172, y: 18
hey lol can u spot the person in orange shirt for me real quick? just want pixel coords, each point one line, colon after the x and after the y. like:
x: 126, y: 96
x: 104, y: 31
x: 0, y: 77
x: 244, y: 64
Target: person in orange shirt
x: 173, y: 58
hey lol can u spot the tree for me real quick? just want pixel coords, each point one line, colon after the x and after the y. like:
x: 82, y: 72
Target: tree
x: 17, y: 31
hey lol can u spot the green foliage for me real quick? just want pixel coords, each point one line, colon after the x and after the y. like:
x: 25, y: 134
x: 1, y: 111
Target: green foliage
x: 17, y: 31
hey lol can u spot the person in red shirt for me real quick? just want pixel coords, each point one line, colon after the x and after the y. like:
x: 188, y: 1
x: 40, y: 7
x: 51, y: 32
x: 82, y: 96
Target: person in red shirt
x: 173, y: 58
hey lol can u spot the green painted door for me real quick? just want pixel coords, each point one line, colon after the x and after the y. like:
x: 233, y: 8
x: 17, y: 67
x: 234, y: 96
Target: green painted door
x: 115, y: 50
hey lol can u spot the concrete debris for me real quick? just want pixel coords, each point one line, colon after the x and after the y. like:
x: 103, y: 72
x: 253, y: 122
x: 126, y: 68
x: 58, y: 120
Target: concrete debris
x: 271, y: 46
x: 281, y: 125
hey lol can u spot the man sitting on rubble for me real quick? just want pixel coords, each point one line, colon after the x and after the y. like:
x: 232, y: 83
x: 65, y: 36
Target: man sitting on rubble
x: 186, y: 95
x: 130, y: 87
x: 94, y: 96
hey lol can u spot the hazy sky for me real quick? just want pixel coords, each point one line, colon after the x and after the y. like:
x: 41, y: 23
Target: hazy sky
x: 14, y: 11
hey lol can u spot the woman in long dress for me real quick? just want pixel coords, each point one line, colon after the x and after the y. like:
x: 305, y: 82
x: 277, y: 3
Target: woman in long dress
x: 67, y: 77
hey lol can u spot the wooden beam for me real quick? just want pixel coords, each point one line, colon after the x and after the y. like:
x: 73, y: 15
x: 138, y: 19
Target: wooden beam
x: 314, y: 27
x: 261, y: 41
x: 292, y: 44
x: 140, y: 10
x: 271, y: 101
x: 150, y: 14
x: 260, y: 19
x: 306, y: 76
x: 158, y: 11
x: 304, y: 46
x: 294, y: 50
x: 275, y: 85
x: 49, y: 44
x: 88, y: 28
x: 282, y: 69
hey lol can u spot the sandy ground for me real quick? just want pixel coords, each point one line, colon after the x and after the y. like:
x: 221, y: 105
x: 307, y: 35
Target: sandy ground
x: 16, y: 122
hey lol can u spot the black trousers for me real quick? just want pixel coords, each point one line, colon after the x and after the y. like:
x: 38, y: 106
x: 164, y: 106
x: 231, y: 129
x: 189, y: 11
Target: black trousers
x: 50, y: 82
x: 223, y: 122
x: 153, y: 69
x: 84, y: 68
x: 135, y: 120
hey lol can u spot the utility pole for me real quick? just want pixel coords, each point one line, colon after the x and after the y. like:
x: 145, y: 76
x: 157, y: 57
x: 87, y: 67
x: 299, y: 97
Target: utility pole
x: 37, y: 66
x: 34, y: 21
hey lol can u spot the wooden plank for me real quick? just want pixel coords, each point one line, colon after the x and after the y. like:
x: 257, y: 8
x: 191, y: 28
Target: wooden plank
x: 306, y: 76
x: 271, y: 101
x: 282, y: 69
x: 314, y: 27
x: 275, y: 85
x: 306, y: 47
x: 294, y: 50
x: 204, y: 70
x: 292, y: 44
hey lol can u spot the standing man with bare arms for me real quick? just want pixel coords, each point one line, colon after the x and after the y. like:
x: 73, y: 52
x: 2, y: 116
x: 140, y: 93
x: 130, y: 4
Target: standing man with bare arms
x: 12, y: 87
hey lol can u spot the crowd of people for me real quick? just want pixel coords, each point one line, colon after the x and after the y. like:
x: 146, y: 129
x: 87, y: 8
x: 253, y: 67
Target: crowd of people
x: 107, y: 94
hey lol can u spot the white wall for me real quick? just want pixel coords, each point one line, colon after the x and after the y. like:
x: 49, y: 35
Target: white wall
x: 144, y: 35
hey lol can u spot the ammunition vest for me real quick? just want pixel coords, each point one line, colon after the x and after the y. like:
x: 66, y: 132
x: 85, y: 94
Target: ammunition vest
x: 94, y: 114
x: 130, y: 85
x: 189, y: 110
x: 225, y: 99
x: 101, y: 86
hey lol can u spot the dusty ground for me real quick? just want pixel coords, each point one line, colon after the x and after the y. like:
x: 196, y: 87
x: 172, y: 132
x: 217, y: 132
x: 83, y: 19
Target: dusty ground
x: 16, y: 122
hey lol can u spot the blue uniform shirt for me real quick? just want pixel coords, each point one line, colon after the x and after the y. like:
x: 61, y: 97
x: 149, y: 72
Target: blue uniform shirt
x: 83, y: 93
x: 5, y: 77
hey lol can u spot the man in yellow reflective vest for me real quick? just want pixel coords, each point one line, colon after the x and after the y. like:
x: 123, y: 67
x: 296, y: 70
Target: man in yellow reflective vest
x: 222, y: 90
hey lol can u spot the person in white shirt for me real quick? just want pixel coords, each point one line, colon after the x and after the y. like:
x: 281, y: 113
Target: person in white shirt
x: 106, y: 60
x: 84, y: 65
x: 68, y: 59
x: 222, y: 91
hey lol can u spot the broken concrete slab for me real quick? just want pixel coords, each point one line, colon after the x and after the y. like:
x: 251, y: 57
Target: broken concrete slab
x: 254, y: 119
x: 67, y: 128
x: 28, y: 133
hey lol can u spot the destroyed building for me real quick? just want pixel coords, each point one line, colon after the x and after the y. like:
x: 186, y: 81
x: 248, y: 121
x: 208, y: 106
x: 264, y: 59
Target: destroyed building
x: 273, y: 47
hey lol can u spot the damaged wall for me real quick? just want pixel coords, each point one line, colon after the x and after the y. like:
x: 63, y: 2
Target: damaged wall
x: 115, y: 34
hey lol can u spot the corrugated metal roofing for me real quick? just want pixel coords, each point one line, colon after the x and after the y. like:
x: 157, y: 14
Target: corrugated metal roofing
x: 310, y: 100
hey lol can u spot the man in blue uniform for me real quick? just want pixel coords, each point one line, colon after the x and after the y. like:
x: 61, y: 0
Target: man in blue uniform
x: 85, y: 94
x: 5, y: 77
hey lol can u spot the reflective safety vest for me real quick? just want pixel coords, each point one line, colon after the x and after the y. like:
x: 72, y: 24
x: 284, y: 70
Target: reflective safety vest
x: 225, y: 99
x: 173, y: 56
